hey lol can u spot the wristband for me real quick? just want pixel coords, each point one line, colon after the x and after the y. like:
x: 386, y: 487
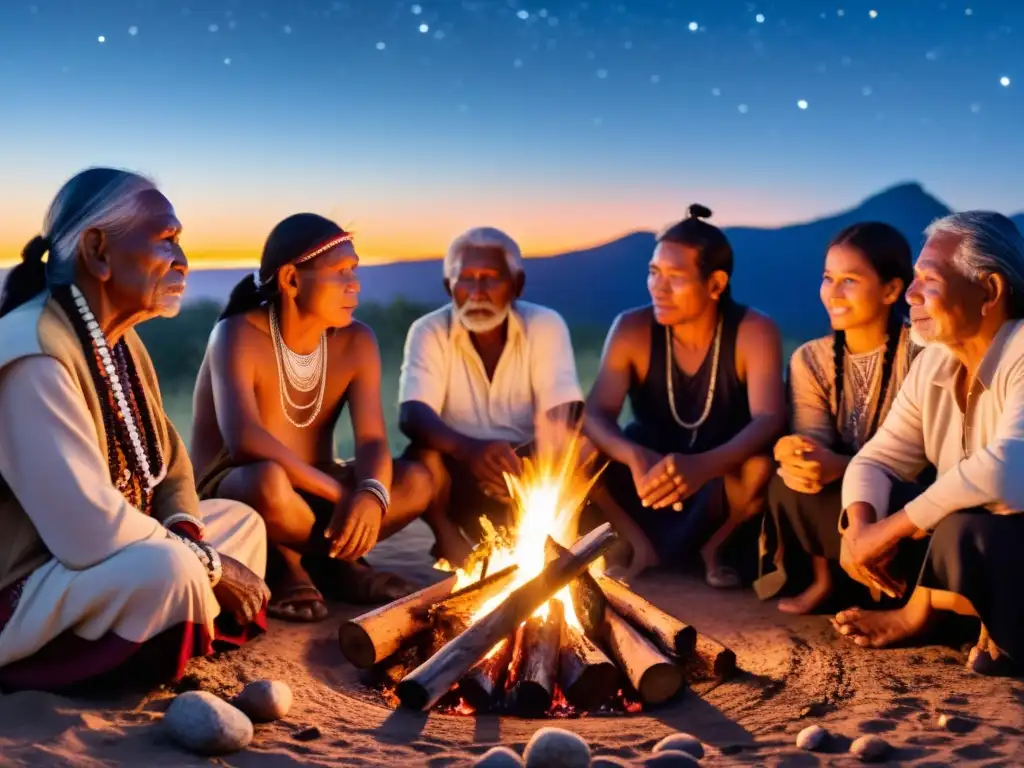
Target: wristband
x: 187, y: 524
x: 379, y: 491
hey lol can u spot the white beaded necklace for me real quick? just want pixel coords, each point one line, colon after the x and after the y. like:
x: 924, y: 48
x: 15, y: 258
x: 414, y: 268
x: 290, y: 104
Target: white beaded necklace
x: 99, y: 341
x: 709, y: 400
x: 303, y: 372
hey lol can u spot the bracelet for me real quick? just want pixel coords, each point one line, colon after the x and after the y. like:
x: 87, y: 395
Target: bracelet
x: 207, y: 555
x: 377, y: 488
x: 183, y: 518
x: 378, y: 497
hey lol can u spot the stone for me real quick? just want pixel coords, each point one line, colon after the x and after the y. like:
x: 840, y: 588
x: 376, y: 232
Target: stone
x: 811, y: 737
x: 207, y: 725
x: 307, y: 733
x: 669, y: 758
x: 681, y: 742
x: 264, y: 700
x: 499, y: 757
x: 556, y: 748
x: 955, y: 723
x: 869, y: 748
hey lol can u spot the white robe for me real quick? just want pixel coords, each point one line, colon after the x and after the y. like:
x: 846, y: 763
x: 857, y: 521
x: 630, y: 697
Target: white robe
x: 113, y: 568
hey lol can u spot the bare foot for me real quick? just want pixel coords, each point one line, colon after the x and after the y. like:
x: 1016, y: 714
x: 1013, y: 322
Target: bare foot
x: 987, y: 658
x: 880, y: 629
x: 807, y: 600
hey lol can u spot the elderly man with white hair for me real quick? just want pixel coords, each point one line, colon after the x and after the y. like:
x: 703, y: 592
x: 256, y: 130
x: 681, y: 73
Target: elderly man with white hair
x: 960, y: 410
x: 478, y: 373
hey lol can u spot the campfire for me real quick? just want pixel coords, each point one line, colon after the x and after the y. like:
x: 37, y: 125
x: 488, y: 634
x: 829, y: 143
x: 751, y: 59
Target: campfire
x: 531, y: 626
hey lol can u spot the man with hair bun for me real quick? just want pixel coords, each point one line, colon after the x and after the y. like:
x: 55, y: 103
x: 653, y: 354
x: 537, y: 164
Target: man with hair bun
x: 480, y: 374
x: 703, y: 375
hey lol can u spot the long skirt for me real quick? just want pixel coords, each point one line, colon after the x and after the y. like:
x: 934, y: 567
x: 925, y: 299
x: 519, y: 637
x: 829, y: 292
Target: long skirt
x: 675, y: 536
x: 144, y: 611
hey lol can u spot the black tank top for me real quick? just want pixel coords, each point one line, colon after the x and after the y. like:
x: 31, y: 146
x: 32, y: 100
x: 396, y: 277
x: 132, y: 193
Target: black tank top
x: 653, y: 424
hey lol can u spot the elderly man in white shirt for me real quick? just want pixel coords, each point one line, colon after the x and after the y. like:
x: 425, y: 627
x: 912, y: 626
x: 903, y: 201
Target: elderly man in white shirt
x: 478, y: 375
x: 960, y: 410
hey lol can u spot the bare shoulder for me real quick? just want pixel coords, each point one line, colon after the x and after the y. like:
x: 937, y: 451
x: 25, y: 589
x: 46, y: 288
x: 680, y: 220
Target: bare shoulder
x: 632, y: 326
x: 357, y: 338
x: 757, y: 328
x: 236, y: 335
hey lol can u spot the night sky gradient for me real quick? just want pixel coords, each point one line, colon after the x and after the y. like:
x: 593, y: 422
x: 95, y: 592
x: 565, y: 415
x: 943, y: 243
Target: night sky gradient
x: 566, y: 123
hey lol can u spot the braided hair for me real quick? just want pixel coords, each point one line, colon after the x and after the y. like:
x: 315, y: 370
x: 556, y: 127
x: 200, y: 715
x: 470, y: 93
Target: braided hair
x: 889, y: 254
x: 295, y: 240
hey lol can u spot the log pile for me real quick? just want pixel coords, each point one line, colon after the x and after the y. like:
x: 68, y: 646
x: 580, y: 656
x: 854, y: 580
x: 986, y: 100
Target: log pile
x: 439, y: 648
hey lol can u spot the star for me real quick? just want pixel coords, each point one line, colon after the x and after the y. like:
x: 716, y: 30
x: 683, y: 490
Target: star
x: 1004, y: 81
x: 227, y: 61
x: 524, y: 15
x: 743, y: 109
x: 873, y: 14
x: 802, y: 104
x: 416, y: 10
x: 424, y: 28
x: 968, y: 11
x: 759, y: 18
x: 133, y: 31
x: 381, y: 45
x: 694, y: 26
x: 102, y: 39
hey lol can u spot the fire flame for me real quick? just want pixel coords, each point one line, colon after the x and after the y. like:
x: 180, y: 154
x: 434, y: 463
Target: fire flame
x: 548, y: 496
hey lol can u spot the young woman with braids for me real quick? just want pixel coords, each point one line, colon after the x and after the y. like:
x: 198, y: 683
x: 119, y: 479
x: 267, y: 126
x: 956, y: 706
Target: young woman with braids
x: 841, y: 387
x: 284, y: 360
x: 109, y: 563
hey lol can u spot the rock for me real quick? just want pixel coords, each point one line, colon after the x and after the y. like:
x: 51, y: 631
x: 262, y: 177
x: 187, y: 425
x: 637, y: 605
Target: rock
x: 811, y: 737
x: 955, y: 723
x: 307, y: 733
x: 265, y: 700
x: 556, y: 748
x: 607, y: 761
x: 207, y: 725
x: 681, y: 742
x: 669, y: 758
x: 499, y: 757
x: 869, y: 748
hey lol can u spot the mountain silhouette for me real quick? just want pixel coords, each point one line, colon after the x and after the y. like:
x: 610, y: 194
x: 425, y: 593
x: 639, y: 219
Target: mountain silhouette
x: 777, y: 270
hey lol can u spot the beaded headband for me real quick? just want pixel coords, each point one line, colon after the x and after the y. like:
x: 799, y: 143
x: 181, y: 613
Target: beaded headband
x: 336, y: 240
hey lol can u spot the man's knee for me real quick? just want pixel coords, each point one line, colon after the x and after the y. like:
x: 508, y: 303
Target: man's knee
x: 164, y: 567
x: 415, y: 484
x: 962, y: 531
x: 747, y: 488
x: 433, y: 463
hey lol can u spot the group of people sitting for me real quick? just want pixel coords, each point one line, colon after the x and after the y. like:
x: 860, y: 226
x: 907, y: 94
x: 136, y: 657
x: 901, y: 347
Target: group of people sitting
x: 887, y: 467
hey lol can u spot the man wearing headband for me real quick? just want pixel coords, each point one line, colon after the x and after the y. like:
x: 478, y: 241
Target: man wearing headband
x: 282, y: 363
x: 477, y: 376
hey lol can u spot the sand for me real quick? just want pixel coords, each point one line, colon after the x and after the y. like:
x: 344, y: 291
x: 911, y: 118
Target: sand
x: 796, y: 672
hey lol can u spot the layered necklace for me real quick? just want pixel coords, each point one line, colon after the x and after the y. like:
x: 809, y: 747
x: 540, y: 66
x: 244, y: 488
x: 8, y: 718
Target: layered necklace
x: 134, y: 457
x: 669, y: 377
x: 303, y: 373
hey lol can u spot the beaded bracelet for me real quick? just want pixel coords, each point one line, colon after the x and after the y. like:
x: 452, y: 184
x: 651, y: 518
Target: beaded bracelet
x: 207, y: 555
x: 379, y: 492
x: 182, y: 518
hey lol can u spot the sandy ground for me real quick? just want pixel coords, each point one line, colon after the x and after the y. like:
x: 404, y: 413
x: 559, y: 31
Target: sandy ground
x: 796, y: 672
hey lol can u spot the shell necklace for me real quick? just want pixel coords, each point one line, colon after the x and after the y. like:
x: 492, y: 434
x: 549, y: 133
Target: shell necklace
x: 709, y: 400
x: 303, y: 372
x: 118, y: 387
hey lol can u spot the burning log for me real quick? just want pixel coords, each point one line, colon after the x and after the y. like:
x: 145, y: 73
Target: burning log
x: 653, y: 676
x: 671, y: 635
x: 428, y: 642
x: 369, y: 639
x: 482, y: 686
x: 431, y: 680
x: 470, y: 599
x: 587, y: 676
x: 534, y: 670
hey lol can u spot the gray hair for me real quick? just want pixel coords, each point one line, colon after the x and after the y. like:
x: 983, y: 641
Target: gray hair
x: 482, y: 237
x: 97, y: 198
x: 989, y: 243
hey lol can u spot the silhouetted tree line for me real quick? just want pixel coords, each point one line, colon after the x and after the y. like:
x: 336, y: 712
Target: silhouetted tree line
x: 177, y: 345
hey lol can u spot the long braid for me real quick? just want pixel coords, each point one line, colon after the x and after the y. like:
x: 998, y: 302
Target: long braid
x: 888, y: 366
x: 838, y: 357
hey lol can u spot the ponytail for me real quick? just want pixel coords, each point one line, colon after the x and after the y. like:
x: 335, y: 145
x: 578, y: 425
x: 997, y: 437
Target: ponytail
x: 27, y: 279
x: 246, y: 296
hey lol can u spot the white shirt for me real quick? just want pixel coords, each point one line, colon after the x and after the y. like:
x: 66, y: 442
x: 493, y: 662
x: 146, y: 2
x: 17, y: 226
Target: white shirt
x: 536, y: 372
x: 978, y: 455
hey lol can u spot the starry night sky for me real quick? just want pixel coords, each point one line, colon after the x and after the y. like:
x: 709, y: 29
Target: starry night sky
x: 566, y: 123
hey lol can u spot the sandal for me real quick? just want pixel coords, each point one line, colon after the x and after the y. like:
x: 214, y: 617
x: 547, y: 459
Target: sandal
x: 723, y: 577
x: 360, y: 584
x: 298, y: 601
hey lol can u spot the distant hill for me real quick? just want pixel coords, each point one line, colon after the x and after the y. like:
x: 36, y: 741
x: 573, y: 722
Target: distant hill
x: 777, y: 270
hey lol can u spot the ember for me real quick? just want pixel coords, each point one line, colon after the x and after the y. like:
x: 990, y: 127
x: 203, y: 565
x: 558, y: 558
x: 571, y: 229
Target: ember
x: 504, y: 633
